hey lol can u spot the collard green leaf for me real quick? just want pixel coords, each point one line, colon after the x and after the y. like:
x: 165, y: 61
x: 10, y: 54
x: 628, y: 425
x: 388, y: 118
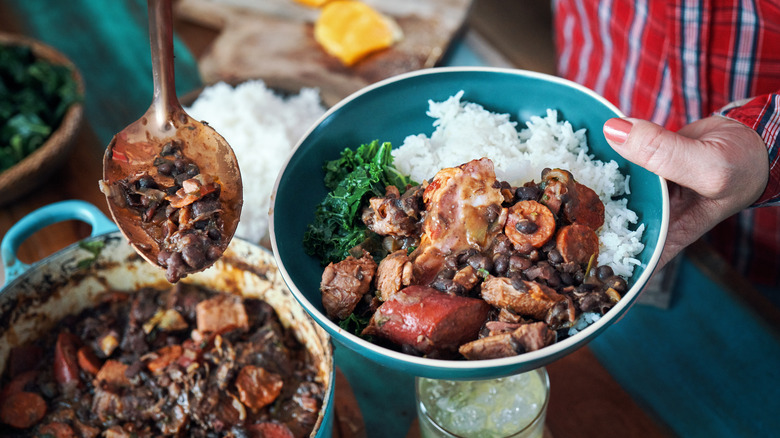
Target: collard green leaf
x: 352, y: 180
x: 34, y: 97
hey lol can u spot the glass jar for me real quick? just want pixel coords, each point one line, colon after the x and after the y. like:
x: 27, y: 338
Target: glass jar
x: 507, y: 407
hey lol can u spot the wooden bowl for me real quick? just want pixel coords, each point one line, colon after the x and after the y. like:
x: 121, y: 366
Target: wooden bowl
x: 37, y: 167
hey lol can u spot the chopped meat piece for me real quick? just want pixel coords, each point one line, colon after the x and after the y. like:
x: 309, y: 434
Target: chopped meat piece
x: 506, y: 315
x: 300, y: 413
x: 498, y: 327
x: 463, y: 211
x: 221, y: 314
x: 466, y: 277
x: 491, y: 347
x: 394, y: 215
x: 463, y: 207
x: 428, y: 320
x: 543, y: 271
x: 562, y: 314
x: 526, y: 337
x: 557, y: 183
x: 526, y: 298
x: 394, y: 273
x: 344, y: 284
x: 57, y: 430
x: 164, y: 357
x: 112, y: 374
x: 174, y: 422
x: 117, y: 432
x: 534, y: 336
x: 257, y: 387
x: 269, y: 430
x: 85, y: 431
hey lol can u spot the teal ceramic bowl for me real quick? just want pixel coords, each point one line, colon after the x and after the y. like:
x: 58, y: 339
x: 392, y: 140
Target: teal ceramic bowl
x: 392, y: 109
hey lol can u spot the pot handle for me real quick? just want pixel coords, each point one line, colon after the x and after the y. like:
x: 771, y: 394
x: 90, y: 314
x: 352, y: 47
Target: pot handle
x: 43, y: 217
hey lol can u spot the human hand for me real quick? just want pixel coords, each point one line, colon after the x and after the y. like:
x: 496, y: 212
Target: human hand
x: 715, y: 167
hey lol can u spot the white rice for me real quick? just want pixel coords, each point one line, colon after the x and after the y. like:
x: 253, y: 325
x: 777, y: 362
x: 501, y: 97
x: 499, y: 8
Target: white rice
x: 262, y: 127
x: 466, y: 131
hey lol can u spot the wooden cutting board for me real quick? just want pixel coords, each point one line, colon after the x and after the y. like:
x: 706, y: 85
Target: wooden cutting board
x: 273, y: 40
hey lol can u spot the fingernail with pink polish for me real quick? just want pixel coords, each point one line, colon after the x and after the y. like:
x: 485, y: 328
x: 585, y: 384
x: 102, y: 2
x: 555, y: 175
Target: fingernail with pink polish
x: 616, y: 130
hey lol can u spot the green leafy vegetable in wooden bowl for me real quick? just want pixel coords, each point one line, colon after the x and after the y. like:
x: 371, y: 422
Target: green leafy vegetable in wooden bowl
x: 41, y: 109
x: 34, y: 96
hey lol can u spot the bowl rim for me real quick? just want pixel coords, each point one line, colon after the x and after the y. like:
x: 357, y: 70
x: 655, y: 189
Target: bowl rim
x: 559, y: 348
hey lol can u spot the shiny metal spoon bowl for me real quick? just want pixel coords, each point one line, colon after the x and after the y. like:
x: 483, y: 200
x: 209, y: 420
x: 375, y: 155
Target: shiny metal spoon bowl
x: 138, y: 190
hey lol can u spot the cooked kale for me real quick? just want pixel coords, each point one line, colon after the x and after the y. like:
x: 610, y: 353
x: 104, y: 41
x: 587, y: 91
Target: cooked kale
x: 352, y: 180
x: 34, y: 97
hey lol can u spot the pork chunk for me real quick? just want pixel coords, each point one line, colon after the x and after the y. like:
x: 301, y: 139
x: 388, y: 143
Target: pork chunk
x: 344, y: 284
x: 524, y: 338
x: 394, y: 273
x: 525, y: 298
x: 393, y: 214
x: 221, y: 314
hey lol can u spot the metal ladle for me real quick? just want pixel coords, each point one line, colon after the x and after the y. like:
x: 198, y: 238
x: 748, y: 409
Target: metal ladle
x: 135, y: 149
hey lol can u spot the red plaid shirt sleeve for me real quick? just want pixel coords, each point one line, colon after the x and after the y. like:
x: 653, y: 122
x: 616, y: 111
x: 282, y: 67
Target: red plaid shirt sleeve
x: 676, y: 61
x: 762, y: 114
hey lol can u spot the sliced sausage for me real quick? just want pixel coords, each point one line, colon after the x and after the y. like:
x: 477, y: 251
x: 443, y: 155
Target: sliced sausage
x: 18, y: 383
x: 584, y: 207
x: 577, y: 244
x: 22, y: 409
x: 428, y: 320
x: 529, y: 224
x: 66, y: 369
x: 88, y: 361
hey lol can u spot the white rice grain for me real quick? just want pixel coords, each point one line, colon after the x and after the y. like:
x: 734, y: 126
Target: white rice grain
x: 262, y: 127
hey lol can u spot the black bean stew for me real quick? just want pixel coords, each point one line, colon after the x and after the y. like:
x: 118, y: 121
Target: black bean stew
x: 179, y: 209
x: 181, y: 362
x: 471, y: 267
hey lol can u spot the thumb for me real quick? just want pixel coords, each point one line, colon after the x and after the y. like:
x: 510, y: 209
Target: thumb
x: 665, y: 153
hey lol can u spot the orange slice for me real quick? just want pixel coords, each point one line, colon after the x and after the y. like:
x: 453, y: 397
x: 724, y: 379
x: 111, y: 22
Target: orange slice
x: 312, y: 3
x: 350, y: 30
